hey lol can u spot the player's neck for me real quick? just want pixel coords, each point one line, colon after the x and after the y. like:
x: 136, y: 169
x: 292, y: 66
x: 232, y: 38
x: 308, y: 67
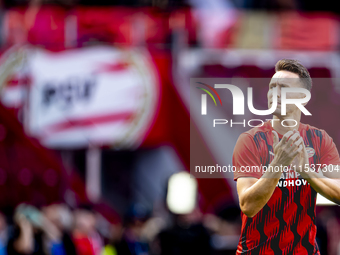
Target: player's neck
x: 290, y: 122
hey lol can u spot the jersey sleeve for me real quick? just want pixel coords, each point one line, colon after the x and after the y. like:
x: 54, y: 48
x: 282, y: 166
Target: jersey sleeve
x: 246, y: 154
x: 329, y: 154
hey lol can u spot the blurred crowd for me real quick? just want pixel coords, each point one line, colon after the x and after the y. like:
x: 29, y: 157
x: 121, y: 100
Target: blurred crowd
x: 57, y: 229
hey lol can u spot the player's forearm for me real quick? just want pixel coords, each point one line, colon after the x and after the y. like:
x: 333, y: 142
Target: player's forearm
x: 329, y: 188
x: 254, y: 198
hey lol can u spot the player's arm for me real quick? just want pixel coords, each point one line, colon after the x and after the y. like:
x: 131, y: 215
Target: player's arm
x: 328, y: 187
x: 254, y: 193
x: 326, y: 180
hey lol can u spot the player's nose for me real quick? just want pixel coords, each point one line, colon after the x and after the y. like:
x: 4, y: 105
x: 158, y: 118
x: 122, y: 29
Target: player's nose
x: 278, y: 92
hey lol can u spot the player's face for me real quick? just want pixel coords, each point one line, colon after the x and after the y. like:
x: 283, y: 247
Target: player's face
x: 280, y: 80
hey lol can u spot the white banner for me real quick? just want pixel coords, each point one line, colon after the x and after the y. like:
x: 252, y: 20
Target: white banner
x: 91, y: 96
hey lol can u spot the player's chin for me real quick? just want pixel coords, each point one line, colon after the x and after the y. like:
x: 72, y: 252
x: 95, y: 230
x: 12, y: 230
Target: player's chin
x: 277, y: 112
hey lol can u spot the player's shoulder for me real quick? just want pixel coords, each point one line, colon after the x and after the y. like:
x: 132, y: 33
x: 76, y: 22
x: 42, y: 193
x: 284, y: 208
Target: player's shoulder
x: 307, y: 127
x: 316, y: 133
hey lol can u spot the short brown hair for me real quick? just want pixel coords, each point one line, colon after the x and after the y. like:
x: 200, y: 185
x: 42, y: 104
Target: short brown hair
x: 296, y: 67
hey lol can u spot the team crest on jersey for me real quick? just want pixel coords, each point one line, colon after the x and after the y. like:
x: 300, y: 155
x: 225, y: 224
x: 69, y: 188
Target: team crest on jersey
x: 310, y: 152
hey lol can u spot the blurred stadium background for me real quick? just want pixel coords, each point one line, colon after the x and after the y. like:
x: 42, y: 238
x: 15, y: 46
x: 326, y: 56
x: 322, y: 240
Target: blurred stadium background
x: 95, y: 118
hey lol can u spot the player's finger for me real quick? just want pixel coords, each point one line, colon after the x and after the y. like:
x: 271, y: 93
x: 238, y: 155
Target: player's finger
x: 286, y: 136
x: 300, y: 141
x: 305, y: 151
x: 275, y: 138
x: 293, y: 138
x: 297, y: 151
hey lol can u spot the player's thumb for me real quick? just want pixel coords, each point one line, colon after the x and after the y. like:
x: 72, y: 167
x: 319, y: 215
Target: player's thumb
x: 305, y: 151
x: 275, y: 139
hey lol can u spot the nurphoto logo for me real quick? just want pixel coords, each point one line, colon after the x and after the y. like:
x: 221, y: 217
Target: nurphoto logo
x: 238, y: 99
